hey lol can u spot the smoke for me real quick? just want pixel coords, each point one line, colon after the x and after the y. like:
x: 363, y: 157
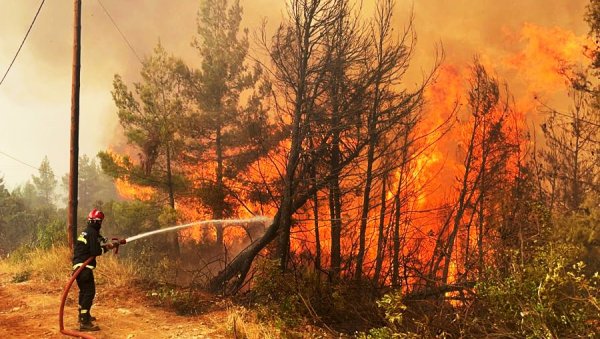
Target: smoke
x: 35, y: 98
x: 36, y: 95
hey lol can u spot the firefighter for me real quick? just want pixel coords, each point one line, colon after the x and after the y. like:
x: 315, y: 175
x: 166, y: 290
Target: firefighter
x: 89, y: 244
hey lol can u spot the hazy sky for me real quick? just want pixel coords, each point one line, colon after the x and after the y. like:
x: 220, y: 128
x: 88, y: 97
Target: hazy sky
x: 35, y: 97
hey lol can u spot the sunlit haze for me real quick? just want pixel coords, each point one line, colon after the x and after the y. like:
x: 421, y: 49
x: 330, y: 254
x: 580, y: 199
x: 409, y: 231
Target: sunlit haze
x: 36, y: 94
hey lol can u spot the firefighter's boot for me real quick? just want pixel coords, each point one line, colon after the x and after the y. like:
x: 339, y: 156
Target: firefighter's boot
x: 85, y: 322
x: 92, y: 318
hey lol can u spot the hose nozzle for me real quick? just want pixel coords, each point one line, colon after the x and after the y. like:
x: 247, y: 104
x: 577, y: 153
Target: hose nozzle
x: 117, y: 242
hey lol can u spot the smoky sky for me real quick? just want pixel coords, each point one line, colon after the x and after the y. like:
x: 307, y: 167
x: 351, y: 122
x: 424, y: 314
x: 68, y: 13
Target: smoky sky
x: 35, y: 98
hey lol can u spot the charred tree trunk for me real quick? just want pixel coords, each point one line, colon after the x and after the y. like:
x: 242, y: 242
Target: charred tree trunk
x: 219, y: 205
x: 576, y: 197
x: 338, y: 59
x: 398, y: 204
x: 396, y: 240
x: 315, y: 199
x: 466, y: 193
x: 381, y: 231
x: 335, y: 196
x: 317, y: 235
x: 366, y: 203
x: 170, y: 178
x: 240, y: 266
x: 175, y: 237
x: 482, y: 195
x: 303, y: 31
x: 335, y: 206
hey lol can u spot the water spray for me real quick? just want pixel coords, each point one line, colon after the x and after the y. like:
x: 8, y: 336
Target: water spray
x: 204, y: 222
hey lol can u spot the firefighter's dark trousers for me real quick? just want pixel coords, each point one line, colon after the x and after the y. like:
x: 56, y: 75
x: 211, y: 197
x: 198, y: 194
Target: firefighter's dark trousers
x: 87, y: 291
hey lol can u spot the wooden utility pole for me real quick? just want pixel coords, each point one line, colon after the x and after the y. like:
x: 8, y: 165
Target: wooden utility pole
x: 74, y: 163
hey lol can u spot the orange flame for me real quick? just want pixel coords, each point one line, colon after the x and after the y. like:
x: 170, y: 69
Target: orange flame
x: 130, y: 191
x: 548, y: 55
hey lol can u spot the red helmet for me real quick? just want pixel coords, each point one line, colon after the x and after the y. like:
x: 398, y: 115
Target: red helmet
x: 96, y: 215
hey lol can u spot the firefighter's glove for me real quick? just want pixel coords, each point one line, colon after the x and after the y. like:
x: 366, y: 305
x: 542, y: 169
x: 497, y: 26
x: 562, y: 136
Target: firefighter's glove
x: 110, y: 245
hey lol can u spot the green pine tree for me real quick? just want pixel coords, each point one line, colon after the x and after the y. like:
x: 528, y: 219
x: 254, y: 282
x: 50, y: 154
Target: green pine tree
x: 228, y: 127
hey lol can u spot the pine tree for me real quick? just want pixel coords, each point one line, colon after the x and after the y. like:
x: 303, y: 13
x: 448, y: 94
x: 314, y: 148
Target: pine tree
x: 228, y: 128
x: 45, y: 183
x: 94, y: 186
x: 152, y: 119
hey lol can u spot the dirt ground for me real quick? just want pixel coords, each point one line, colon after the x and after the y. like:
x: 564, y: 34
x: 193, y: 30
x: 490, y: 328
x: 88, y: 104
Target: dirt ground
x: 30, y: 310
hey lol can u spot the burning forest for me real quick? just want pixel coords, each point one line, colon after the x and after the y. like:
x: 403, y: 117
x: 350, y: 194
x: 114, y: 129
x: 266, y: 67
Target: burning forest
x: 315, y: 167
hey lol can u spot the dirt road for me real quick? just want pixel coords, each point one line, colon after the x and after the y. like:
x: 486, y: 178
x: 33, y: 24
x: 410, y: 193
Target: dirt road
x: 30, y: 310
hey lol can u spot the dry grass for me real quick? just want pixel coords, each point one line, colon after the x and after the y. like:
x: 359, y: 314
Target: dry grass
x: 108, y: 265
x: 54, y: 265
x: 241, y: 324
x: 47, y: 265
x: 10, y: 268
x: 51, y: 265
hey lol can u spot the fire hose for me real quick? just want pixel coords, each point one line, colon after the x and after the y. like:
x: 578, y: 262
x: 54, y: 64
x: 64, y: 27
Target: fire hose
x: 116, y: 242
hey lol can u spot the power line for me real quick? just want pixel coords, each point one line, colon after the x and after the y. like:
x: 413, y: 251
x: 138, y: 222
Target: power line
x: 39, y: 169
x: 19, y: 161
x: 120, y: 32
x: 22, y: 42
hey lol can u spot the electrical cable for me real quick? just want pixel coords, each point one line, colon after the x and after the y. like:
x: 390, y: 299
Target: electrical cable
x: 39, y: 169
x: 22, y: 42
x: 19, y: 161
x: 119, y: 30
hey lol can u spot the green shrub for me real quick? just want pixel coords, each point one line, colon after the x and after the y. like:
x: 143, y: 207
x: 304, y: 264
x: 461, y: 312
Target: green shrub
x: 51, y: 233
x: 393, y: 307
x: 21, y: 276
x: 276, y: 295
x: 548, y: 298
x: 303, y: 297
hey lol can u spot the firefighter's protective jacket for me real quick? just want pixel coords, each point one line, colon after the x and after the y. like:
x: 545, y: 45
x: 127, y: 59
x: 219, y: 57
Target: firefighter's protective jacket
x: 88, y: 244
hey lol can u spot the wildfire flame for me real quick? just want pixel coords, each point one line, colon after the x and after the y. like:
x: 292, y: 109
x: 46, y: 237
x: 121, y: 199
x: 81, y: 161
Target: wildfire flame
x: 541, y: 62
x: 130, y: 191
x: 547, y: 56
